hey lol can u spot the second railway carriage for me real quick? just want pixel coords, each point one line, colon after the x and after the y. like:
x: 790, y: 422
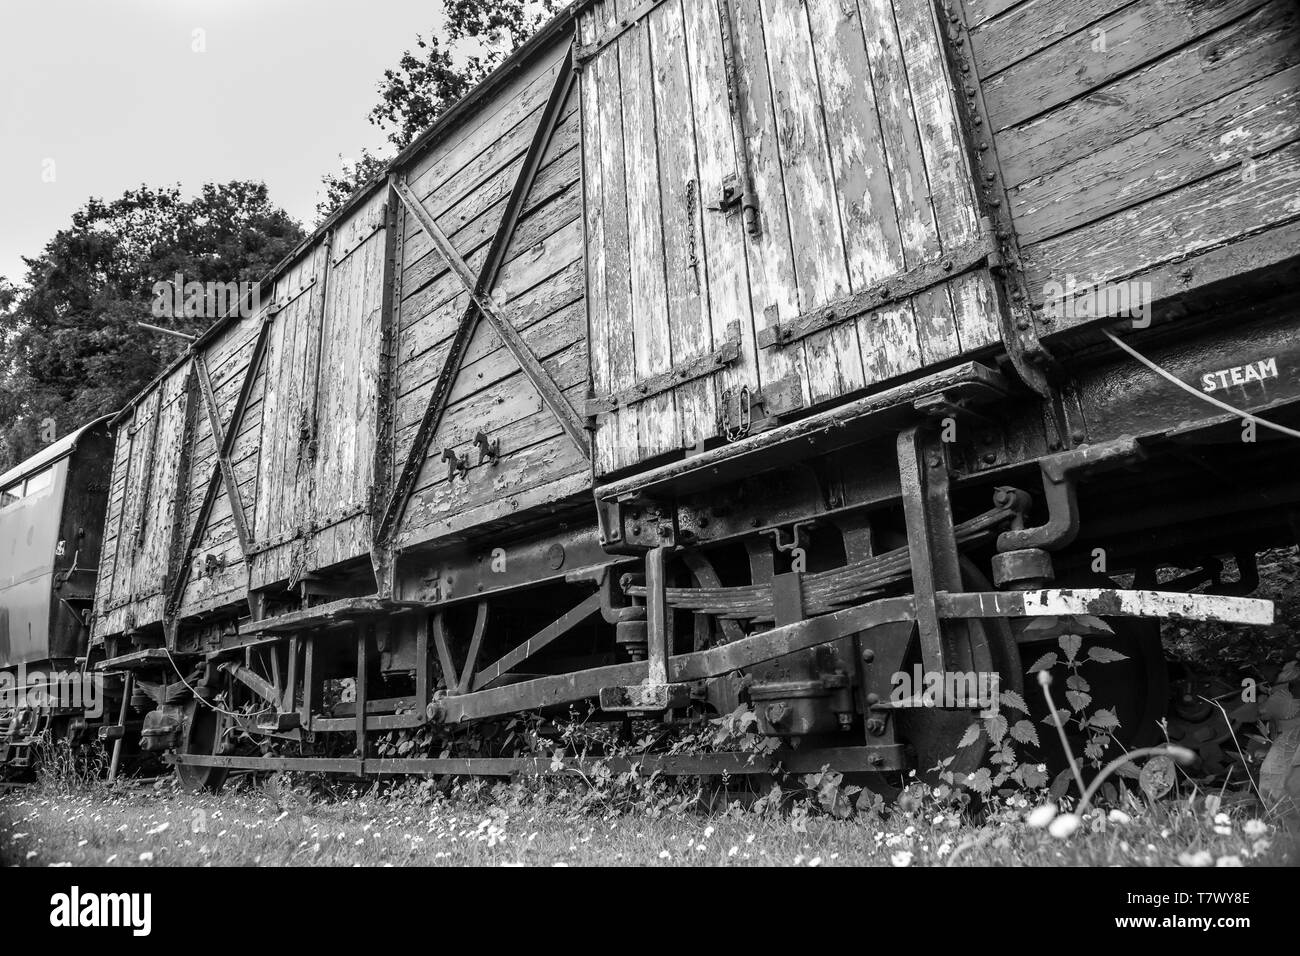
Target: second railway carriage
x: 51, y: 526
x: 737, y: 351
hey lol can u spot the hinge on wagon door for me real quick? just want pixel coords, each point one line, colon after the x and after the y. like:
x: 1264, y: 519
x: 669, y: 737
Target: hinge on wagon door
x: 306, y: 434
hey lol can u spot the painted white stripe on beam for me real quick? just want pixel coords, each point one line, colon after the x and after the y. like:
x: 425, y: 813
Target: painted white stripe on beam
x: 1108, y: 602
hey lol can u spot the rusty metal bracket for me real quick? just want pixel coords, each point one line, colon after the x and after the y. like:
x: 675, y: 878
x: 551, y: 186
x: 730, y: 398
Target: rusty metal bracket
x: 1060, y: 474
x: 796, y: 536
x: 1029, y: 357
x: 886, y: 292
x: 457, y: 465
x: 748, y: 198
x: 488, y: 451
x: 688, y: 371
x: 735, y: 425
x: 931, y: 542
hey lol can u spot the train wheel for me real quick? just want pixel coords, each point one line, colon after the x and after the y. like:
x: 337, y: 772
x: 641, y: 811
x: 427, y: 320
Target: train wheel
x: 204, y: 733
x: 930, y: 735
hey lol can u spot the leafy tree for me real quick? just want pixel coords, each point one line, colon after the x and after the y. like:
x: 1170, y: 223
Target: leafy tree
x: 339, y: 186
x: 479, y: 34
x: 72, y: 348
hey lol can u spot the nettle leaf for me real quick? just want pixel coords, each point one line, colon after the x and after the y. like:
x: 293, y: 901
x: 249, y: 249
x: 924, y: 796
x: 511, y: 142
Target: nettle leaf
x: 1104, y: 719
x: 1038, y: 625
x: 1009, y: 698
x: 1070, y: 643
x: 1031, y: 776
x: 1023, y: 731
x: 972, y: 734
x: 981, y: 781
x: 1044, y: 663
x: 1062, y: 714
x: 1078, y: 699
x: 1060, y: 784
x: 1089, y: 626
x: 1104, y: 655
x: 1082, y: 625
x: 1279, y: 706
x: 1246, y: 713
x: 1157, y: 776
x: 1075, y: 682
x: 996, y: 727
x: 1290, y: 672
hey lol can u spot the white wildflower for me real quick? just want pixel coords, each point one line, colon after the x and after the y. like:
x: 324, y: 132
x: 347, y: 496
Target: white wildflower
x: 1064, y: 825
x: 1041, y: 816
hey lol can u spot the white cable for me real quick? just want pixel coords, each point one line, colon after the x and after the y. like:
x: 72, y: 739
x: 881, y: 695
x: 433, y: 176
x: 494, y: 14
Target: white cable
x: 210, y: 706
x: 1196, y: 392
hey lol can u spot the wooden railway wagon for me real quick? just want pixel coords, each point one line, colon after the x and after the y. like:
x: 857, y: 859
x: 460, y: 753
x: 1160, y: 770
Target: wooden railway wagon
x: 737, y: 351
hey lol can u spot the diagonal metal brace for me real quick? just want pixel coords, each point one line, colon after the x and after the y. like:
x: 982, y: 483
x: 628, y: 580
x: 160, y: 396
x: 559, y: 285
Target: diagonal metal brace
x: 505, y: 330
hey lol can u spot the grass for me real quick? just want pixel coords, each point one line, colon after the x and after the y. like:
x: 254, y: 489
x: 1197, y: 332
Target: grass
x: 155, y: 825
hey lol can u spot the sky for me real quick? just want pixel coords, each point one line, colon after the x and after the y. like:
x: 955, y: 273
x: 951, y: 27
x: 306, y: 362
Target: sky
x: 98, y: 96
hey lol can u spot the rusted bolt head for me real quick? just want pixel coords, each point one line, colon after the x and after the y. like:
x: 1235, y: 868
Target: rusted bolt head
x: 868, y: 655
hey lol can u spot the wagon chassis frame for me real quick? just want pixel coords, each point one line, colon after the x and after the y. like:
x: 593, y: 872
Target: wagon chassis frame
x: 938, y: 608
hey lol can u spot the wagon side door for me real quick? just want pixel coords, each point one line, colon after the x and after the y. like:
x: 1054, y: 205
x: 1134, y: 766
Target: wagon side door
x: 779, y: 213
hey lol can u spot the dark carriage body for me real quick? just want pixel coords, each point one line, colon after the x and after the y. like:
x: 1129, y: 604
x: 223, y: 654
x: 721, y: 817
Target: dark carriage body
x: 796, y: 291
x: 51, y: 522
x: 51, y: 527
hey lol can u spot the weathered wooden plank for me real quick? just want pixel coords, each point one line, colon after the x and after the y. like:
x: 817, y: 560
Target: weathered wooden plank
x: 973, y: 321
x: 833, y: 358
x: 487, y: 360
x: 504, y: 514
x: 873, y: 244
x: 690, y: 333
x: 1200, y: 216
x: 1247, y: 50
x: 890, y: 341
x: 516, y: 472
x: 496, y: 402
x: 651, y: 337
x: 770, y: 255
x: 721, y: 253
x: 618, y: 443
x: 1127, y: 39
x: 533, y: 304
x: 468, y: 138
x: 1228, y: 131
x: 593, y: 202
x: 1031, y: 27
x: 979, y: 11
